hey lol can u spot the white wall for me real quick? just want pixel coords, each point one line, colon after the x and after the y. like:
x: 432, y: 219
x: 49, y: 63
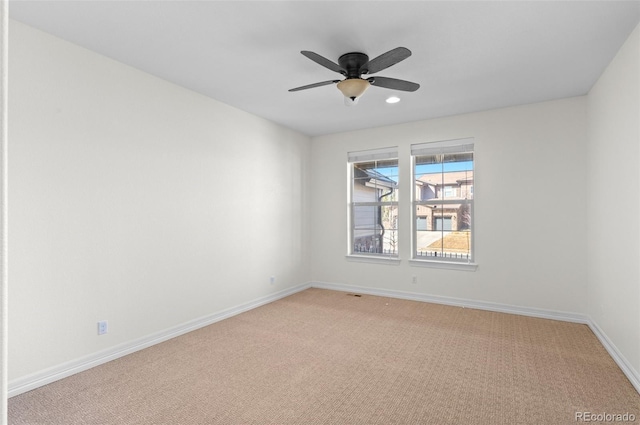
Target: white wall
x: 530, y: 221
x: 614, y: 204
x: 4, y: 71
x: 136, y: 201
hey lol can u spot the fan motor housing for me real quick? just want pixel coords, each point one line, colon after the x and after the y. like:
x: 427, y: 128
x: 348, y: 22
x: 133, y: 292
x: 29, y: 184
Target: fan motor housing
x: 351, y: 62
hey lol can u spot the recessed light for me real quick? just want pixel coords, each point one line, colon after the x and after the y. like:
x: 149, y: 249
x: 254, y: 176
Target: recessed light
x: 393, y: 99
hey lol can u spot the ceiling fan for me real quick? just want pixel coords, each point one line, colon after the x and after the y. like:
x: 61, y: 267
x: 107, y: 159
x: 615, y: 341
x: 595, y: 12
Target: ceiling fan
x: 355, y: 64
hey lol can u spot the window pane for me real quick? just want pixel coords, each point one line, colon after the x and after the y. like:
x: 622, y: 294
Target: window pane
x: 443, y: 175
x: 375, y: 229
x: 365, y: 217
x: 390, y: 229
x: 443, y: 231
x: 444, y: 180
x: 429, y: 178
x: 372, y: 183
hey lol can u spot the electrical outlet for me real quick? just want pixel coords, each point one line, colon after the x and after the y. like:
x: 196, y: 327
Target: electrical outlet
x: 414, y: 280
x: 272, y: 280
x: 103, y: 327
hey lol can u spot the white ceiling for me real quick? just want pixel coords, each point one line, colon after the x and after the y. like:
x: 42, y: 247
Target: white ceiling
x: 467, y: 56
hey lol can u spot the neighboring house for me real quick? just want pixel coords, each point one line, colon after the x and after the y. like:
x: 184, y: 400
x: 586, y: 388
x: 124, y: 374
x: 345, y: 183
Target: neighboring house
x: 374, y: 226
x: 444, y: 186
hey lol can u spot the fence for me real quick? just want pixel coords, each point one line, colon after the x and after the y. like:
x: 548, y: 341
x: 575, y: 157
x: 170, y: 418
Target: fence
x: 372, y: 249
x: 440, y: 254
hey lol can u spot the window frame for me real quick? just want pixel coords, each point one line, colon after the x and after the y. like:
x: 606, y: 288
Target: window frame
x: 448, y: 146
x: 353, y: 158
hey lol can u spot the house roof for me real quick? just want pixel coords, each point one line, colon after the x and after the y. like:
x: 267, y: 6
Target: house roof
x: 374, y: 177
x: 454, y: 177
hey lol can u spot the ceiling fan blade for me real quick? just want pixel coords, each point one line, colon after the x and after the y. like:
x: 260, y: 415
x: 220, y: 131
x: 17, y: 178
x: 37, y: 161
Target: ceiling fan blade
x: 310, y: 86
x: 393, y: 83
x: 324, y: 62
x: 385, y: 60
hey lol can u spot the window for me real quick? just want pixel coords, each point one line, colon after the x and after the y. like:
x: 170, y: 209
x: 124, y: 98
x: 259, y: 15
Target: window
x: 373, y: 204
x: 449, y: 191
x: 443, y: 201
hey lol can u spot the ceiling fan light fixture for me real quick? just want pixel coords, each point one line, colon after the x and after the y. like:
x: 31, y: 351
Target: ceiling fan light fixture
x: 353, y: 88
x: 355, y: 64
x: 393, y: 99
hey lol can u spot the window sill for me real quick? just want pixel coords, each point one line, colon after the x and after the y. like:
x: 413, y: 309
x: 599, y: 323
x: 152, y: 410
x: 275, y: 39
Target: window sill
x: 470, y: 267
x: 371, y: 259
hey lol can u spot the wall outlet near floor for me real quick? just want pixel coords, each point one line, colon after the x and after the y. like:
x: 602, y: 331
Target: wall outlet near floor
x: 272, y: 280
x: 103, y: 327
x: 414, y: 280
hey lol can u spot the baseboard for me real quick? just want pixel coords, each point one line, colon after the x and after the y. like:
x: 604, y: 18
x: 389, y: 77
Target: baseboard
x: 616, y: 355
x: 64, y: 370
x: 621, y: 361
x: 458, y: 302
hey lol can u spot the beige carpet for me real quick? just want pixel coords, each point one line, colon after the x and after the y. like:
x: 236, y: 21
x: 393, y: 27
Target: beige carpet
x: 325, y: 357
